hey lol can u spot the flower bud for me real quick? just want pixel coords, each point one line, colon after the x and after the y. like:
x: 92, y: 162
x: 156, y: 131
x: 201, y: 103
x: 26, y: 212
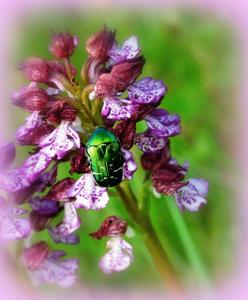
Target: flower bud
x: 79, y: 162
x: 33, y: 257
x: 61, y: 110
x: 121, y: 76
x: 63, y: 45
x: 125, y: 131
x: 111, y: 227
x: 30, y: 98
x: 36, y: 69
x: 99, y: 44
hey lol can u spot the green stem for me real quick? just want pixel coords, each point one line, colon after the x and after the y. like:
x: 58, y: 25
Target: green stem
x: 150, y: 237
x: 187, y: 242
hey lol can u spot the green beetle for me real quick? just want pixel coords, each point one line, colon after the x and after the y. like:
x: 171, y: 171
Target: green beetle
x: 105, y: 156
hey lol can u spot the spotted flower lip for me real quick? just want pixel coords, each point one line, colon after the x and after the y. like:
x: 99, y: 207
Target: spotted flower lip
x: 148, y: 142
x: 60, y: 141
x: 163, y: 124
x: 130, y: 49
x: 192, y: 196
x: 34, y: 165
x: 117, y: 109
x: 88, y: 194
x: 147, y: 91
x: 46, y: 266
x: 70, y: 223
x: 13, y: 226
x: 118, y: 257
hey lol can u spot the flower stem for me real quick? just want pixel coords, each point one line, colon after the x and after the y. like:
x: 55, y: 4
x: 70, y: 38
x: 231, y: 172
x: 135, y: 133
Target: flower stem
x: 150, y: 238
x: 188, y: 244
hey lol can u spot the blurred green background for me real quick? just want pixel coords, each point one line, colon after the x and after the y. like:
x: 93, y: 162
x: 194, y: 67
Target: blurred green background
x: 193, y: 54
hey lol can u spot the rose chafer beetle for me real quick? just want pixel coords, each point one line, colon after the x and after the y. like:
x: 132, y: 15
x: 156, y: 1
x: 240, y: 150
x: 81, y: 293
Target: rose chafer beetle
x: 105, y: 157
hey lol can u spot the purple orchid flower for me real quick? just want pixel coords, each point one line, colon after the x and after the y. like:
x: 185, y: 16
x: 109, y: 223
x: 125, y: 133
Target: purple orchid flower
x: 149, y: 142
x: 88, y: 194
x: 60, y: 141
x: 117, y: 109
x: 163, y: 124
x: 118, y: 257
x: 147, y: 91
x: 192, y: 196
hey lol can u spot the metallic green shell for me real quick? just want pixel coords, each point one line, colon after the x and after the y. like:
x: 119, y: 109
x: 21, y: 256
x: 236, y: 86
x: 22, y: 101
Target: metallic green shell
x: 105, y: 156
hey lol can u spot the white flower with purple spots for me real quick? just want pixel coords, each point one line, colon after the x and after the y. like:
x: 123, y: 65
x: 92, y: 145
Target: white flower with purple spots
x: 117, y: 109
x: 88, y: 194
x: 192, y: 196
x: 60, y: 141
x: 119, y: 256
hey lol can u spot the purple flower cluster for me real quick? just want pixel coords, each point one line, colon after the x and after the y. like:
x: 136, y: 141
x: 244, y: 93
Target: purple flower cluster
x: 62, y: 116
